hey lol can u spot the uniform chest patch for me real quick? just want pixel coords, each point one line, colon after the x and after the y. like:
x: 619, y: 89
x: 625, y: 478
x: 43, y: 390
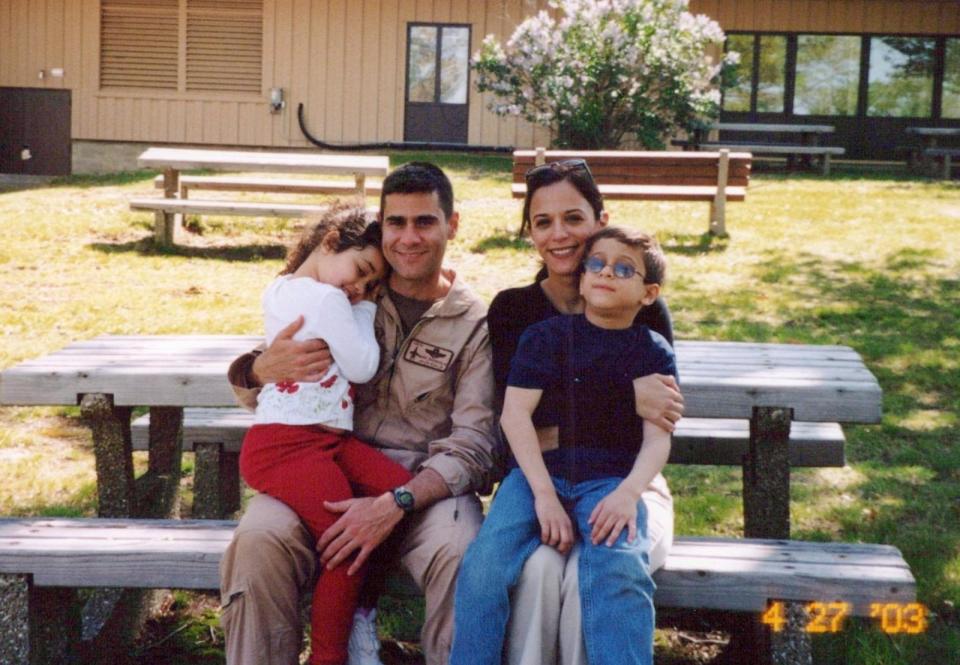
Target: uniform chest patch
x: 428, y: 355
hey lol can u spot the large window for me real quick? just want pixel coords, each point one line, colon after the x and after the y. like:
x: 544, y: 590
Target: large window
x: 140, y: 45
x: 759, y: 81
x: 771, y: 75
x: 951, y: 79
x: 901, y: 77
x: 739, y: 86
x: 439, y: 64
x: 828, y: 75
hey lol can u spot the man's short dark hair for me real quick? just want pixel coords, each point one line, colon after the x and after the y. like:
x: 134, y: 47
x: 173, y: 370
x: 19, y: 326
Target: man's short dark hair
x: 419, y: 178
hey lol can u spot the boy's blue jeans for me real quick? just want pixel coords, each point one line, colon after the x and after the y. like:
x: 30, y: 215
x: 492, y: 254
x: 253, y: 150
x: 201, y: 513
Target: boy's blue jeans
x: 616, y: 590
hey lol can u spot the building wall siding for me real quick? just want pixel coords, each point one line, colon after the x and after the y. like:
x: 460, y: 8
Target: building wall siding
x: 345, y: 60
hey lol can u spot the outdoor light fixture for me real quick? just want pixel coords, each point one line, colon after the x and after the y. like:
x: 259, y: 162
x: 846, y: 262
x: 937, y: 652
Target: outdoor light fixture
x: 276, y: 100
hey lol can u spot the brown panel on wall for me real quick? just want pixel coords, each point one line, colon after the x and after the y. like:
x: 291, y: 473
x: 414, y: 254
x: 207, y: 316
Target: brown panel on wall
x: 224, y: 45
x: 333, y: 124
x: 369, y: 82
x: 354, y: 51
x: 282, y: 68
x: 297, y: 89
x: 316, y: 84
x: 389, y: 85
x: 476, y: 17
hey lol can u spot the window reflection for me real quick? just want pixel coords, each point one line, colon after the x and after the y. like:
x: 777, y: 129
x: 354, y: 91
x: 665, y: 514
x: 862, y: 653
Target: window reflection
x: 828, y: 75
x: 773, y: 64
x: 951, y: 80
x: 422, y: 65
x: 901, y: 77
x: 454, y: 62
x: 738, y: 81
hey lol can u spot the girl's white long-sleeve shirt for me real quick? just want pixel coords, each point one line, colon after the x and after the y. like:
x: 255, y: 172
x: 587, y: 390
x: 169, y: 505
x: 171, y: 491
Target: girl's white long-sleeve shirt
x: 348, y: 331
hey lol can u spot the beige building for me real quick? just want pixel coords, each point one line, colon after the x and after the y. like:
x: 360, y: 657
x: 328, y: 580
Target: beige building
x: 80, y: 79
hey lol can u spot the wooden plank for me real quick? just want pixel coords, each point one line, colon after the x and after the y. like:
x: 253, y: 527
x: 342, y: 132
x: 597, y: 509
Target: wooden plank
x: 713, y: 573
x: 775, y: 128
x: 778, y: 148
x: 282, y: 162
x: 271, y: 185
x: 207, y: 207
x: 696, y: 440
x: 655, y: 192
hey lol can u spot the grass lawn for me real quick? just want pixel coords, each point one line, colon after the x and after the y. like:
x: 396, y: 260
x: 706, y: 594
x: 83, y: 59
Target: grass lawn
x: 863, y: 259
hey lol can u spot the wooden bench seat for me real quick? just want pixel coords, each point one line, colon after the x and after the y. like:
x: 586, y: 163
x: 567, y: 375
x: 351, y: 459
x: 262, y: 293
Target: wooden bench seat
x: 269, y: 185
x: 212, y: 207
x: 216, y: 435
x: 714, y: 177
x: 720, y: 574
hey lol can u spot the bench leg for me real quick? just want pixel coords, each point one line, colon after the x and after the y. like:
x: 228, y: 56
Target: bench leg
x: 39, y: 625
x: 166, y: 222
x: 216, y: 485
x: 158, y: 490
x: 766, y: 475
x: 946, y: 167
x: 826, y: 163
x: 110, y: 426
x: 792, y: 645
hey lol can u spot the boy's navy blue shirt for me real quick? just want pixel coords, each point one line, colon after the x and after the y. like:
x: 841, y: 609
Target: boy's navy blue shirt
x: 586, y: 374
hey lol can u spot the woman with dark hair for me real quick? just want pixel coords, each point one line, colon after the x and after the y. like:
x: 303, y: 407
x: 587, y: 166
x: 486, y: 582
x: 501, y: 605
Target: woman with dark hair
x: 562, y: 208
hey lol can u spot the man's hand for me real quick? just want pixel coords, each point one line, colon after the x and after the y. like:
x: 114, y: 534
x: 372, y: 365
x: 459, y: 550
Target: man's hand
x: 289, y: 360
x: 364, y: 524
x: 614, y: 512
x: 658, y: 400
x: 556, y: 529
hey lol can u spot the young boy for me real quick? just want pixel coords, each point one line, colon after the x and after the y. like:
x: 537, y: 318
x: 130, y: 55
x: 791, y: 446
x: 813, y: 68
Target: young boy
x: 591, y: 461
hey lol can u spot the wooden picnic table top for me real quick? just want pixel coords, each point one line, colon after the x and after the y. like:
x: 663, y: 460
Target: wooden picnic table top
x: 934, y: 131
x: 773, y: 127
x: 719, y: 379
x: 282, y: 162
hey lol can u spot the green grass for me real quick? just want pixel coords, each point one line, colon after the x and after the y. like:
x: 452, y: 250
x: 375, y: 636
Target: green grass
x: 866, y: 259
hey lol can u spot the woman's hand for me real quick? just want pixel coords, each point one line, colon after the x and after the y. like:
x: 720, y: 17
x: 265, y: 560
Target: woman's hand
x: 289, y: 360
x: 556, y: 529
x: 658, y: 400
x: 614, y: 512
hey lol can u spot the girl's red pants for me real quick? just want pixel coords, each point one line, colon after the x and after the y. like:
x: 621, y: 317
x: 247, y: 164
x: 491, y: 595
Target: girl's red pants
x: 303, y: 466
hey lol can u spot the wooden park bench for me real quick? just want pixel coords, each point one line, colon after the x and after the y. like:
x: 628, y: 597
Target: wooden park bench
x: 216, y: 436
x: 175, y: 203
x: 43, y: 561
x: 808, y: 145
x: 714, y: 177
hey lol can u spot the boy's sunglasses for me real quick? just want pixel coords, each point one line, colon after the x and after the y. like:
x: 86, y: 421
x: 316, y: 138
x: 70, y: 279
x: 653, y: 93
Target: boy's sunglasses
x: 565, y: 165
x: 595, y: 265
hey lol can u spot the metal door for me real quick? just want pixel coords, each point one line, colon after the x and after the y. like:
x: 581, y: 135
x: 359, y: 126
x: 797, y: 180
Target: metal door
x: 34, y: 131
x: 438, y: 75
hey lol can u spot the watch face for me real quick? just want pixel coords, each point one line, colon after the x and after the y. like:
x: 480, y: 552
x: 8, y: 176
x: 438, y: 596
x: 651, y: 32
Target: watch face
x: 404, y: 498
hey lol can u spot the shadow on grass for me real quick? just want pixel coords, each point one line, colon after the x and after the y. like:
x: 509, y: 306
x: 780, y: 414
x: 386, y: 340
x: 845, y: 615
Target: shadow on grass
x: 691, y: 244
x: 147, y: 247
x: 501, y: 241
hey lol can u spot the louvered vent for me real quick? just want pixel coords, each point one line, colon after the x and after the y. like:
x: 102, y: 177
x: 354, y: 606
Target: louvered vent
x: 224, y: 45
x: 138, y: 43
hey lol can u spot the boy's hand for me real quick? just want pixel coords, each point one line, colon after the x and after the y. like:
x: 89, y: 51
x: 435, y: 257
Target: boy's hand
x: 614, y: 512
x: 556, y: 529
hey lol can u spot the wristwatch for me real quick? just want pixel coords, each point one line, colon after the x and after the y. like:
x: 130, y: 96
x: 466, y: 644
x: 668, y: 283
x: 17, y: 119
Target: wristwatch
x: 404, y: 499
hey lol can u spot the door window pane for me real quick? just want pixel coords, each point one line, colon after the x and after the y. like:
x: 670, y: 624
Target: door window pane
x: 828, y: 75
x: 422, y: 66
x: 773, y: 65
x: 951, y: 80
x: 739, y: 82
x: 454, y: 65
x: 901, y: 77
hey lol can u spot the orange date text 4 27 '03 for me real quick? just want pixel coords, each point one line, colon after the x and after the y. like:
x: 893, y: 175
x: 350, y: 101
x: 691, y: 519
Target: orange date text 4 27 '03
x: 829, y: 617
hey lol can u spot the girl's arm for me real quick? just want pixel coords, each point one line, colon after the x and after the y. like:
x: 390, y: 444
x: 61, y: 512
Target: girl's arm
x: 556, y: 529
x: 619, y: 508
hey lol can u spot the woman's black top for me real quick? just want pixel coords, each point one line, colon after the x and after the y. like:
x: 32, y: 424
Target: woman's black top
x: 513, y: 310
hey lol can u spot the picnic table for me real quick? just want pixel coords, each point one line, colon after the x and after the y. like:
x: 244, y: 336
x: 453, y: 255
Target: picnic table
x: 174, y: 160
x: 770, y: 141
x: 769, y: 384
x: 930, y: 149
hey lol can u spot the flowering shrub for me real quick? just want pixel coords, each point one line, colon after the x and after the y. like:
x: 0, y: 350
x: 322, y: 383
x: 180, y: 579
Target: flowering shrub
x: 602, y: 69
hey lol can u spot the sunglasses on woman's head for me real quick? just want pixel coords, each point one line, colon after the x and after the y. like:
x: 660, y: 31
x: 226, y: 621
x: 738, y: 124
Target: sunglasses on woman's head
x: 567, y: 165
x: 595, y: 265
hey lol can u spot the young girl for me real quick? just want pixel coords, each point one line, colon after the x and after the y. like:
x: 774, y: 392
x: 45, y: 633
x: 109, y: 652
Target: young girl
x: 580, y: 370
x: 300, y: 450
